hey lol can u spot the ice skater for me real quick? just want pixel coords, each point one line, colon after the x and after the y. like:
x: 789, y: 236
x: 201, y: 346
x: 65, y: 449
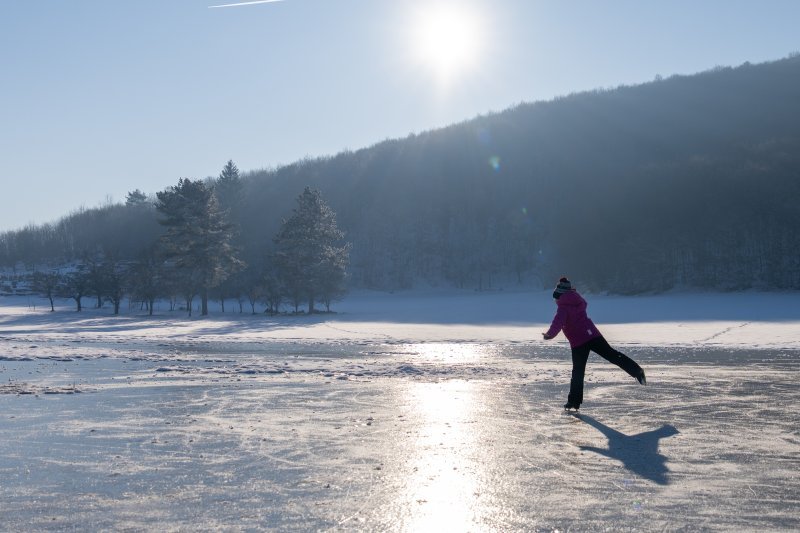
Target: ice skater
x: 583, y: 338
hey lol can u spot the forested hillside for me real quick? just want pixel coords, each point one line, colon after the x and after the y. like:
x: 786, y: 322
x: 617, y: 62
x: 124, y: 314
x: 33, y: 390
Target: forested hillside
x: 689, y: 181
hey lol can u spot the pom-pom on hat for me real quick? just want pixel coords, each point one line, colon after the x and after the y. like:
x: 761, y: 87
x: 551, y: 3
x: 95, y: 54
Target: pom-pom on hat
x: 564, y: 286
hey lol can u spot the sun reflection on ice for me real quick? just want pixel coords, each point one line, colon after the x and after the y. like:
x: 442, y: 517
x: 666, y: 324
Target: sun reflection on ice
x: 443, y: 490
x: 448, y: 352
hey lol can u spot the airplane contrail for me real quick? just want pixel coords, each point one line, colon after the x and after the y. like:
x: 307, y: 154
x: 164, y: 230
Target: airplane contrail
x: 246, y: 3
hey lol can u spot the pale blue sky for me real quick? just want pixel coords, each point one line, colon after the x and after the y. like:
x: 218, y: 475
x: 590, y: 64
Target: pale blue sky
x: 101, y: 97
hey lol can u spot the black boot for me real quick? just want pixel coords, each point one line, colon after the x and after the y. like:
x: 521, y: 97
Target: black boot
x: 571, y: 406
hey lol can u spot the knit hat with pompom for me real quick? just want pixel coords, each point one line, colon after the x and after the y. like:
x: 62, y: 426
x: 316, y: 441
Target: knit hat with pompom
x: 564, y: 286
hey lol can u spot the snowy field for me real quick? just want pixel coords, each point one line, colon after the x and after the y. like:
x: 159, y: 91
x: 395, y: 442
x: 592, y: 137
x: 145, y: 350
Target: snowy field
x: 422, y: 411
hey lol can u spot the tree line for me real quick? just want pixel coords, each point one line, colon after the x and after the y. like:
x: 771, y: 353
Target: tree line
x: 687, y: 181
x: 198, y: 255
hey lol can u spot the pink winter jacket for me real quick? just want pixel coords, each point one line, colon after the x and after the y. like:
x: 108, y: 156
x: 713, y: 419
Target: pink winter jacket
x: 572, y: 320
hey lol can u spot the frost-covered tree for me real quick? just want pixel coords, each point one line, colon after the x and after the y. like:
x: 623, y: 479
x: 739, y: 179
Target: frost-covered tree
x: 76, y: 285
x: 228, y: 189
x: 333, y: 274
x: 147, y: 279
x: 46, y: 284
x: 310, y: 260
x: 198, y: 238
x: 115, y: 276
x: 95, y: 277
x: 273, y: 287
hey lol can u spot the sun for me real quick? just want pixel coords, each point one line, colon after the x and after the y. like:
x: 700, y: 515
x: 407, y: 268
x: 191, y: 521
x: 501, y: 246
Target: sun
x: 447, y: 40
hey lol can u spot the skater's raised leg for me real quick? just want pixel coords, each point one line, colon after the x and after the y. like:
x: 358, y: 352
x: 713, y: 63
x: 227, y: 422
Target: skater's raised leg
x: 601, y: 347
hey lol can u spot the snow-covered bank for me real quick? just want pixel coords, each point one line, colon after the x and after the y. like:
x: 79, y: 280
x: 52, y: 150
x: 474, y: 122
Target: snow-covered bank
x: 734, y: 320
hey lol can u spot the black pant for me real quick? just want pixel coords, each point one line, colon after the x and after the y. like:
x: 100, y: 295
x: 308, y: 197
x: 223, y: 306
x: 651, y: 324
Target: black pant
x: 580, y: 354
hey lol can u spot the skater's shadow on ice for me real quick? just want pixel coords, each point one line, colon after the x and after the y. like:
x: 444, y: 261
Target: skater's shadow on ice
x: 638, y: 453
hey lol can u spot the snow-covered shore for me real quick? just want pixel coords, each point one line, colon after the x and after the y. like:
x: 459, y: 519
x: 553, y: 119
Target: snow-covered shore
x: 730, y: 320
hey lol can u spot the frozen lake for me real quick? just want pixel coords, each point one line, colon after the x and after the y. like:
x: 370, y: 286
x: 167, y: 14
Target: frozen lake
x: 436, y: 436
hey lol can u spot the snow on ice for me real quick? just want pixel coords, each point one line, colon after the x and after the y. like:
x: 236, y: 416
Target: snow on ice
x: 416, y: 411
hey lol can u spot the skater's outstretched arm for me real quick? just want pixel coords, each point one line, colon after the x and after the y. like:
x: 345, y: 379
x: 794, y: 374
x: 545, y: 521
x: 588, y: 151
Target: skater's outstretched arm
x: 558, y: 323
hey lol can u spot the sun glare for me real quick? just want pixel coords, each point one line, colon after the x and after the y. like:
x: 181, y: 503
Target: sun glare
x: 447, y: 40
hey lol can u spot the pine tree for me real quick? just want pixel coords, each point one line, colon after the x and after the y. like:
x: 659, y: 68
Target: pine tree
x: 310, y: 264
x: 136, y: 199
x: 228, y: 188
x: 198, y: 238
x: 229, y: 193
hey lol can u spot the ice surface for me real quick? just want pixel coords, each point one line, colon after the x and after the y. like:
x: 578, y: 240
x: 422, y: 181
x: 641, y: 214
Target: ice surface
x: 408, y: 412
